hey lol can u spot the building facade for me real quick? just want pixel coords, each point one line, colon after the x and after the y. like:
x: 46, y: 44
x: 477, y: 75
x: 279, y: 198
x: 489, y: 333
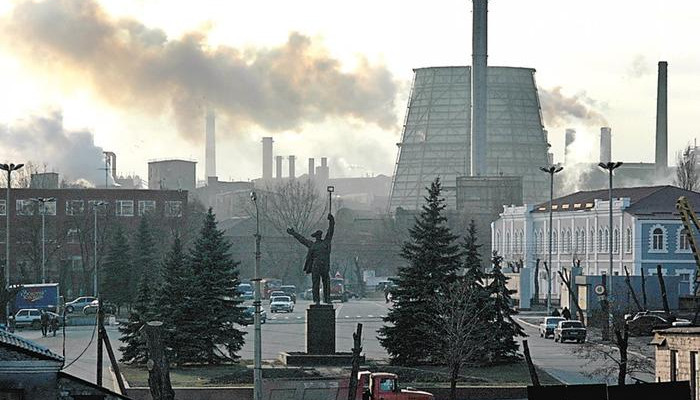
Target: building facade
x: 62, y: 234
x: 678, y: 356
x: 646, y: 232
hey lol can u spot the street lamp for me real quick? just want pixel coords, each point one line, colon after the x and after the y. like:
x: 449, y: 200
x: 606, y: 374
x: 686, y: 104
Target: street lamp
x: 43, y: 201
x: 330, y: 190
x: 257, y: 339
x: 551, y: 170
x: 610, y: 167
x: 9, y: 168
x: 94, y: 209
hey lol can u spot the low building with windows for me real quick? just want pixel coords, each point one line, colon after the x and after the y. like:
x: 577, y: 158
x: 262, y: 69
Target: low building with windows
x: 69, y: 223
x: 646, y: 232
x: 678, y: 356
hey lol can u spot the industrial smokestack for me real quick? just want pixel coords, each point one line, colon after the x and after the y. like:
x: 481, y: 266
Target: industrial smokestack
x: 210, y: 147
x: 569, y: 138
x: 323, y: 172
x: 267, y: 158
x: 479, y: 76
x: 292, y: 172
x: 111, y: 159
x: 605, y: 145
x: 278, y: 167
x: 662, y: 118
x: 312, y: 167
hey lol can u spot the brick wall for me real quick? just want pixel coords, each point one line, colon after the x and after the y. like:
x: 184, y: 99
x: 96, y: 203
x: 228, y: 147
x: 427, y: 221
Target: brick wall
x: 683, y: 344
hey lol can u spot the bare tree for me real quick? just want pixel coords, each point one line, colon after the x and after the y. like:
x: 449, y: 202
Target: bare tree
x: 294, y: 203
x: 614, y: 359
x: 687, y: 175
x: 455, y: 321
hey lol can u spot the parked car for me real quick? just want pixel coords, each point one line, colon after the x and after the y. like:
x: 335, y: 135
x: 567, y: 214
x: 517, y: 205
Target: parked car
x: 79, y: 303
x: 91, y: 308
x: 548, y: 324
x: 281, y: 303
x: 570, y: 330
x: 660, y: 313
x: 644, y: 325
x: 291, y: 291
x: 31, y: 317
x: 276, y: 293
x: 246, y: 291
x: 249, y: 315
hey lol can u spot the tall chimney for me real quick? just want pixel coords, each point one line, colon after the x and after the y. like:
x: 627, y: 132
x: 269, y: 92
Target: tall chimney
x: 569, y: 138
x: 323, y: 172
x: 292, y: 172
x: 662, y: 118
x: 210, y: 150
x: 312, y: 167
x: 267, y: 158
x: 605, y: 145
x: 479, y: 147
x: 278, y: 167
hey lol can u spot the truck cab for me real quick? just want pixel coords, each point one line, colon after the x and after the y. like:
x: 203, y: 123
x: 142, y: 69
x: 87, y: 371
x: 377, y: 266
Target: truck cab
x: 385, y: 386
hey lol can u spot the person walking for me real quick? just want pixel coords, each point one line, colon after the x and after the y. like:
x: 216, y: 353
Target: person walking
x: 566, y: 313
x: 44, y: 319
x: 54, y: 324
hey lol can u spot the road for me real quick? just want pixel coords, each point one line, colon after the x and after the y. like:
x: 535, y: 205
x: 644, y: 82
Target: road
x: 287, y: 332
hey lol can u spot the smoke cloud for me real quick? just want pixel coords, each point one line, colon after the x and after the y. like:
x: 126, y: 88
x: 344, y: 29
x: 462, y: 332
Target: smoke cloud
x: 133, y: 66
x: 72, y: 154
x: 559, y: 110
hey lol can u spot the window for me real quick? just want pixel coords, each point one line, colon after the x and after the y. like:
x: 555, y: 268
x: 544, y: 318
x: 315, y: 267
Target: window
x: 72, y: 236
x: 606, y: 240
x: 147, y: 206
x: 125, y: 208
x: 99, y: 205
x: 628, y: 240
x: 567, y: 241
x: 591, y: 240
x: 658, y: 239
x: 24, y: 207
x: 507, y: 249
x: 555, y: 242
x: 46, y: 208
x: 75, y: 207
x: 616, y: 241
x: 674, y: 366
x: 694, y: 374
x: 173, y: 208
x: 683, y: 242
x: 386, y: 385
x: 3, y: 207
x: 600, y: 240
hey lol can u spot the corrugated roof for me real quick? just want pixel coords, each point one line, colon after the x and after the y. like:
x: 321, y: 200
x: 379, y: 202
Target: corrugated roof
x: 24, y: 345
x: 650, y: 200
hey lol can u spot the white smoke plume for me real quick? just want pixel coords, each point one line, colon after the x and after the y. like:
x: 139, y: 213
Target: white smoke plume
x: 72, y: 154
x: 130, y: 65
x: 560, y: 110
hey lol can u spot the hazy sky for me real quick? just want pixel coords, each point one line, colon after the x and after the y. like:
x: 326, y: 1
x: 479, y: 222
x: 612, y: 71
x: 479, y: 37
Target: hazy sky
x: 324, y: 78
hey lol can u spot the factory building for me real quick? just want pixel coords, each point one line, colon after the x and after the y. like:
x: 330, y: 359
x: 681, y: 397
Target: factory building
x: 172, y: 174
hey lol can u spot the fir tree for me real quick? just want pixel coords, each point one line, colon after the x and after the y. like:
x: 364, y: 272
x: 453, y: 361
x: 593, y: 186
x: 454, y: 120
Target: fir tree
x: 502, y: 347
x: 433, y: 260
x: 145, y: 257
x: 116, y: 270
x: 215, y: 277
x: 134, y: 349
x: 473, y: 271
x: 173, y: 304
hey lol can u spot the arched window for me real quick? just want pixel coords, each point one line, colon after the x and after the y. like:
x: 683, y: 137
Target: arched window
x: 600, y: 240
x: 606, y: 240
x: 582, y: 249
x: 628, y: 240
x: 616, y: 241
x: 591, y: 241
x: 657, y: 239
x: 519, y: 241
x: 507, y: 250
x: 554, y: 242
x: 567, y: 241
x: 683, y: 242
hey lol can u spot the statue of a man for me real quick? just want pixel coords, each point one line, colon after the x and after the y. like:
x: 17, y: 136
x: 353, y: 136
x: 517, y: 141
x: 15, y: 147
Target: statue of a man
x: 318, y: 260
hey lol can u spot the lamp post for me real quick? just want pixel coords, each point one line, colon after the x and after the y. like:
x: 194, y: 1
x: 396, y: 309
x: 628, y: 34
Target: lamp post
x: 94, y: 209
x: 9, y: 168
x: 43, y: 201
x: 610, y: 167
x: 551, y: 170
x: 257, y: 339
x: 330, y: 190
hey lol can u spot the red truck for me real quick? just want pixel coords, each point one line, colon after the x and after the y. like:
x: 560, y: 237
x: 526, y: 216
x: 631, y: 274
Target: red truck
x: 370, y: 386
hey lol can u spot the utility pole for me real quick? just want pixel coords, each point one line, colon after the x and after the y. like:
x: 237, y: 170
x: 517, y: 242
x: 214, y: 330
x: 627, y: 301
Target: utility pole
x: 257, y: 354
x: 551, y: 170
x: 100, y: 327
x: 610, y: 167
x: 42, y: 201
x: 9, y: 167
x: 330, y: 190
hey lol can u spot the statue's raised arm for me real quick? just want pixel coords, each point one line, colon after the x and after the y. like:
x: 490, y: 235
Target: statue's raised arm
x: 306, y: 242
x: 331, y: 227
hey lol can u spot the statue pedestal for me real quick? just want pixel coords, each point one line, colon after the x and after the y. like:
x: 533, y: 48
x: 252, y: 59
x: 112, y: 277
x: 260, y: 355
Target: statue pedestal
x: 320, y: 329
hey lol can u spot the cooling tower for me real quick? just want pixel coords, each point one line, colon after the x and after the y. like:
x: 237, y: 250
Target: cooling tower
x: 435, y: 138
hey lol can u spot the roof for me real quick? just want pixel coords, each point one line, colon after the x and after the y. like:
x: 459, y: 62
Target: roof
x: 27, y: 346
x: 92, y: 385
x: 644, y: 200
x: 681, y: 330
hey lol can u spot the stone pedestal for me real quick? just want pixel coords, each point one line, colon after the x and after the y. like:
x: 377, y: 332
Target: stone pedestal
x: 320, y: 329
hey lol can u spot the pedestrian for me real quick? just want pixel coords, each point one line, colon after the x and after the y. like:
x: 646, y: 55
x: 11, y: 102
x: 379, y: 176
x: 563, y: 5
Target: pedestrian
x: 566, y: 313
x: 44, y: 319
x: 54, y: 324
x: 555, y: 313
x: 387, y: 293
x: 11, y: 318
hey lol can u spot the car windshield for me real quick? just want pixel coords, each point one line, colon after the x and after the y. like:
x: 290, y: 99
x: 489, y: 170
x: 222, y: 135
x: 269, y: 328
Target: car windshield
x: 554, y: 321
x: 281, y: 299
x: 572, y: 324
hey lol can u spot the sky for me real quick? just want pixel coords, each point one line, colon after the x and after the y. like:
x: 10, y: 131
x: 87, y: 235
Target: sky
x: 323, y: 78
